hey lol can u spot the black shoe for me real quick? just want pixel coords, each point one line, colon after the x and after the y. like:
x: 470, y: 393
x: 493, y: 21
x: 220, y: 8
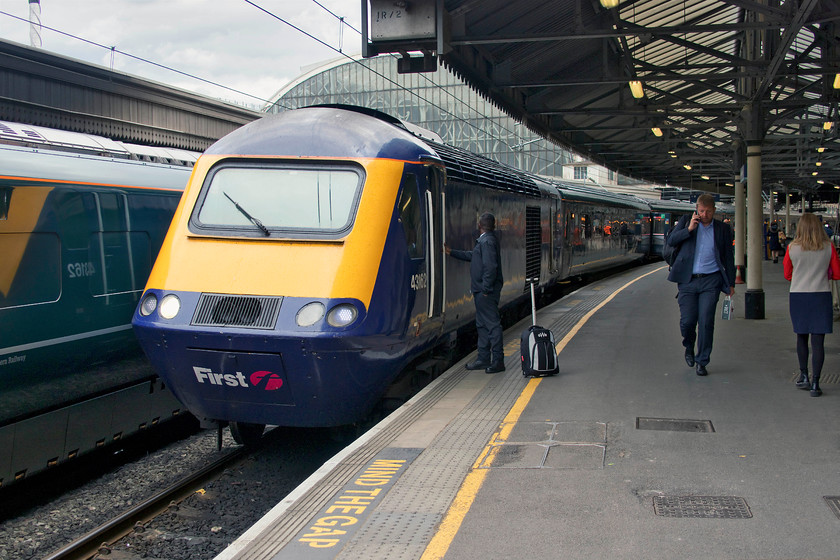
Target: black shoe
x: 815, y: 389
x: 803, y: 382
x: 495, y: 368
x: 478, y: 364
x: 689, y: 357
x: 701, y: 370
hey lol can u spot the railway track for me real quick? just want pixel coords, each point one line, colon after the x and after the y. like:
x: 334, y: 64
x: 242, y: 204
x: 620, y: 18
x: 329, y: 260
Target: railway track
x: 100, y: 539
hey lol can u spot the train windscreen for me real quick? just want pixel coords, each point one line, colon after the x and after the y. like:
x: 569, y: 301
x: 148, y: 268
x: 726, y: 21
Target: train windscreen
x: 287, y: 200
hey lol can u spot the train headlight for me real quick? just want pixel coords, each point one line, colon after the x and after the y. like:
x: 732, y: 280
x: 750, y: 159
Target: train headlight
x: 170, y: 305
x: 342, y: 315
x: 310, y: 314
x: 148, y: 305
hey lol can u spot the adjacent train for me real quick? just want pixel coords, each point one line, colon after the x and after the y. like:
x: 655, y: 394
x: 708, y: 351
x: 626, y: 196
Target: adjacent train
x: 82, y: 218
x: 304, y: 268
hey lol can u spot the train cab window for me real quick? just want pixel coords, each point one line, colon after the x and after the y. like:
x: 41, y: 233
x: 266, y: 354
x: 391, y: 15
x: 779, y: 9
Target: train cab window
x: 410, y: 217
x: 292, y: 201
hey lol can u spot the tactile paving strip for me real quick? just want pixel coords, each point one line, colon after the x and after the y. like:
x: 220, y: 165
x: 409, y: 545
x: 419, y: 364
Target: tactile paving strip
x: 833, y: 503
x: 825, y: 378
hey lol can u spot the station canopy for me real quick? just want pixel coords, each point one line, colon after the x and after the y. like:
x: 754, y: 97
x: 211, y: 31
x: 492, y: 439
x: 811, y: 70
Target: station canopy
x: 711, y: 77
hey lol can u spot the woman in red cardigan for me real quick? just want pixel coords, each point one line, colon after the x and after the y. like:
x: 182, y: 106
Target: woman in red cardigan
x: 809, y: 263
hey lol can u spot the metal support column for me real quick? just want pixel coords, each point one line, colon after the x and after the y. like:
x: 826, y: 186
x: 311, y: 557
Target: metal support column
x: 740, y: 229
x: 787, y: 212
x: 754, y: 298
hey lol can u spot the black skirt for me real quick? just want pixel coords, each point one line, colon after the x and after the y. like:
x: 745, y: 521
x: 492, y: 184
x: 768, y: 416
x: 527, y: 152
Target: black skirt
x: 811, y: 312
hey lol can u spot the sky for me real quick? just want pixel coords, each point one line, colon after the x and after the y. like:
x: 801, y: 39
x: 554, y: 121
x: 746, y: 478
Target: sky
x: 234, y: 43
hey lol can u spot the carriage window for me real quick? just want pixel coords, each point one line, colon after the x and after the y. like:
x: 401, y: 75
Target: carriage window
x: 257, y: 201
x: 410, y: 217
x: 586, y: 225
x: 119, y: 261
x: 5, y: 200
x: 32, y: 268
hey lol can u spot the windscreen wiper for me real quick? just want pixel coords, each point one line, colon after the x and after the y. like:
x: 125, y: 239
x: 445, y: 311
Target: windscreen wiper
x: 245, y: 213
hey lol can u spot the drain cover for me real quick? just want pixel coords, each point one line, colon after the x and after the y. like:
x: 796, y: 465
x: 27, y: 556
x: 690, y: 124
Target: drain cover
x: 674, y: 425
x: 834, y: 503
x: 712, y: 507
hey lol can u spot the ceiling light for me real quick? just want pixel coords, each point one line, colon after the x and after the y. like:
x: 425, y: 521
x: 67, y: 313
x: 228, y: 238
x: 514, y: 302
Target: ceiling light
x: 836, y: 78
x: 609, y: 4
x: 819, y: 163
x: 706, y: 177
x: 656, y: 131
x: 827, y: 125
x: 814, y: 173
x: 636, y: 89
x: 821, y: 149
x: 687, y: 166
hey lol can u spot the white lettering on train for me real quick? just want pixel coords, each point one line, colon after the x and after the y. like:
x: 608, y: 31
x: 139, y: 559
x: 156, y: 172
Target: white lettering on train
x: 206, y: 375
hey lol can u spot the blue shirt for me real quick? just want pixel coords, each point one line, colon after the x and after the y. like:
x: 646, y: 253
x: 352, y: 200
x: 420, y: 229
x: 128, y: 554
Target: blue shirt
x: 705, y: 259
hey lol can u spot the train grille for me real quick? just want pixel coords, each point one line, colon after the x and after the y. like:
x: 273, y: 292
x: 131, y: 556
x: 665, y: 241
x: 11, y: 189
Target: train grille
x: 250, y: 312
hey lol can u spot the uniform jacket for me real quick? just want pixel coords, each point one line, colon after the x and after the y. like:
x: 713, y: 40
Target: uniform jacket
x: 485, y: 264
x: 686, y: 241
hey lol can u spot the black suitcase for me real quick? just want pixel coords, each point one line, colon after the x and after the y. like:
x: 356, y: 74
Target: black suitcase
x: 539, y: 354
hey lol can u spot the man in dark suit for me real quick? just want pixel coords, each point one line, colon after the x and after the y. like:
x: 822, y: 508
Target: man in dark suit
x: 486, y: 286
x: 704, y: 267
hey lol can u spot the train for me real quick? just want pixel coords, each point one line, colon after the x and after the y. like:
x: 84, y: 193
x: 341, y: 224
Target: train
x: 82, y: 218
x: 304, y: 268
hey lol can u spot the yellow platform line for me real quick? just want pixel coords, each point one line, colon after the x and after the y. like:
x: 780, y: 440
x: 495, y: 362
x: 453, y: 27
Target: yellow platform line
x: 457, y: 511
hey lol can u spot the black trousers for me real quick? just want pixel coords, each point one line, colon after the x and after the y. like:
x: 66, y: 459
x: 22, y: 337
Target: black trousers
x: 488, y: 322
x: 698, y: 304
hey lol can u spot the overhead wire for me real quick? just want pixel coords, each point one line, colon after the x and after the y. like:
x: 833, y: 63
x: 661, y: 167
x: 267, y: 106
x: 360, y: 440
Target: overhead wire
x: 113, y: 49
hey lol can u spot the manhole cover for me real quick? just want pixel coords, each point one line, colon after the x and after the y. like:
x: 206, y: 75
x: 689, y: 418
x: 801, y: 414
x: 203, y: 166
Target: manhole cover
x: 674, y: 425
x: 834, y: 503
x: 710, y: 507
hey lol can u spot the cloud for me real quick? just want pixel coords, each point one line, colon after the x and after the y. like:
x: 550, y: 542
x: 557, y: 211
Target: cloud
x: 229, y: 42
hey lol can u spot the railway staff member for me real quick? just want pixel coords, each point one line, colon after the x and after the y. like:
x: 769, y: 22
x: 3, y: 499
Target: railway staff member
x: 486, y: 286
x: 704, y: 267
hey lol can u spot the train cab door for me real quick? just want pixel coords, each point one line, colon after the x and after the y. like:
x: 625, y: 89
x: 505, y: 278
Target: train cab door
x: 435, y: 231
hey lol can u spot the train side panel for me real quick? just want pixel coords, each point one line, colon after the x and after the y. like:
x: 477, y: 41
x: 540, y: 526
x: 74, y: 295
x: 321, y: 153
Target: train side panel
x: 77, y: 251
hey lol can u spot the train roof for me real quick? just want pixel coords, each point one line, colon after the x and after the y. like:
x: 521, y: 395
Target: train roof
x: 670, y: 205
x: 68, y: 167
x: 18, y: 134
x: 574, y: 191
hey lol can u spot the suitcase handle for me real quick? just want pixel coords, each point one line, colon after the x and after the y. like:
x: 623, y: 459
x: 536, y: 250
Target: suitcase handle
x: 531, y: 282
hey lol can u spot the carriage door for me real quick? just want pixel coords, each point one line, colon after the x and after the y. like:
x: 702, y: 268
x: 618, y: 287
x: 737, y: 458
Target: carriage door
x: 435, y: 231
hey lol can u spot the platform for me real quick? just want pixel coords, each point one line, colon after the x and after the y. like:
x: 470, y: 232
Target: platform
x: 627, y: 453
